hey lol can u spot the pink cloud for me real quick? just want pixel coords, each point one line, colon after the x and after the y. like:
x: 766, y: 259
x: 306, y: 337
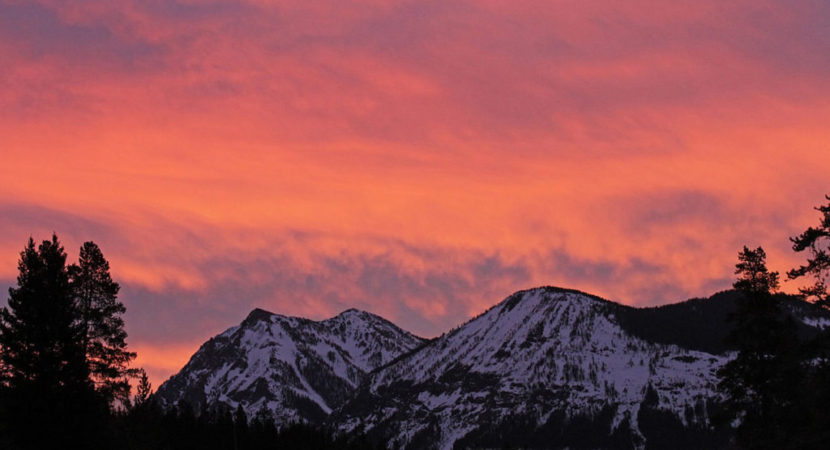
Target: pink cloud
x: 418, y: 159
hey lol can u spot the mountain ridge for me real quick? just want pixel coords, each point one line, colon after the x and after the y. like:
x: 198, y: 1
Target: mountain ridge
x: 535, y: 368
x: 545, y: 355
x: 296, y: 368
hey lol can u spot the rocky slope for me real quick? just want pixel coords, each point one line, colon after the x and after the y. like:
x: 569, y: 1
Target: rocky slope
x: 297, y: 369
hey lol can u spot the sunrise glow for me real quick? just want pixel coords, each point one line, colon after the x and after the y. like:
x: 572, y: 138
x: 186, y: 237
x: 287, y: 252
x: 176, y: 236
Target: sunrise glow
x: 421, y: 160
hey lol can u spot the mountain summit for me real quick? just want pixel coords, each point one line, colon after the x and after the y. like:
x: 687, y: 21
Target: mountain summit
x: 542, y: 360
x: 296, y: 368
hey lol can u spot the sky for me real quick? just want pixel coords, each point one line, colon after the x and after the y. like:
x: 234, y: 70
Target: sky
x: 420, y: 160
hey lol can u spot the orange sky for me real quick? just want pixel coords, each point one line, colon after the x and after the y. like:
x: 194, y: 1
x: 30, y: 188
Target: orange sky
x: 420, y: 160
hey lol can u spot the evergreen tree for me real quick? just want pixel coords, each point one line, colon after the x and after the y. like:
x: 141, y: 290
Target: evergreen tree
x: 761, y: 383
x: 815, y: 388
x: 48, y: 400
x: 754, y: 277
x: 143, y: 390
x: 104, y: 338
x: 240, y: 428
x: 817, y: 241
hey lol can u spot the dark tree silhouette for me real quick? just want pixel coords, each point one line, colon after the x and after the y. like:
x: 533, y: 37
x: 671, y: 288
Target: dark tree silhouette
x: 240, y: 429
x: 817, y: 241
x: 143, y: 390
x: 99, y: 315
x: 761, y: 383
x: 815, y: 389
x: 753, y: 276
x: 48, y: 399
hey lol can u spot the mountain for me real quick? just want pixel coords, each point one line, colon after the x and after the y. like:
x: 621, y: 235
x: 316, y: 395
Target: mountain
x: 298, y: 369
x: 556, y: 368
x: 545, y: 368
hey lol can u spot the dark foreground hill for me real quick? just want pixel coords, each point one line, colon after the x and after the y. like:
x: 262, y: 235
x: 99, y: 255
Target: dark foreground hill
x: 702, y: 323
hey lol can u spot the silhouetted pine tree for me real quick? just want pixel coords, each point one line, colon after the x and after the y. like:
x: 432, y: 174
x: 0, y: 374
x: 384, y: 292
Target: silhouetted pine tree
x: 143, y: 390
x: 262, y: 428
x: 99, y: 316
x: 814, y: 414
x: 761, y: 383
x: 240, y: 430
x: 817, y: 241
x: 779, y: 387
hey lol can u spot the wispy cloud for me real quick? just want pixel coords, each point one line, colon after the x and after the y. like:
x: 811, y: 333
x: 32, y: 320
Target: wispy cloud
x: 418, y: 159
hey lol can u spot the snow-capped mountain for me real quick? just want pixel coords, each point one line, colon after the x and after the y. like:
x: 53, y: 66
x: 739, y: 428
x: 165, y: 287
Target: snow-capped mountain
x: 556, y: 368
x: 545, y: 368
x: 543, y: 359
x: 296, y: 368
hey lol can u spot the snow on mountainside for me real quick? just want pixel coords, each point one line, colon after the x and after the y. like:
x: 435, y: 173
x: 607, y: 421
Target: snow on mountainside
x: 547, y: 368
x: 297, y: 368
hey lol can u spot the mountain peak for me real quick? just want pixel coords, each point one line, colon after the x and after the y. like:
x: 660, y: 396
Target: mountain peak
x: 352, y: 312
x: 541, y: 349
x: 257, y: 315
x: 511, y: 301
x: 297, y: 368
x: 358, y: 314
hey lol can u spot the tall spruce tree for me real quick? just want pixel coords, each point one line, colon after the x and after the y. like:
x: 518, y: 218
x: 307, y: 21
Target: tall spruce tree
x: 48, y: 399
x: 815, y: 389
x: 99, y: 317
x: 761, y: 383
x: 143, y: 390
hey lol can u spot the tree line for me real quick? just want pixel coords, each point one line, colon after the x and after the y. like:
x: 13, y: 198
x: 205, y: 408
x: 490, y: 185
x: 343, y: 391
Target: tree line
x: 146, y: 426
